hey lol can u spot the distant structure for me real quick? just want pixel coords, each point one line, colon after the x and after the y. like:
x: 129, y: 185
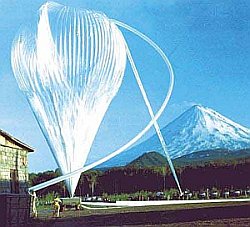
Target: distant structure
x: 13, y: 164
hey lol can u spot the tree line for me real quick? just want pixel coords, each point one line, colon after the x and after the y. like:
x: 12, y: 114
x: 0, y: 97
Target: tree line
x: 132, y: 179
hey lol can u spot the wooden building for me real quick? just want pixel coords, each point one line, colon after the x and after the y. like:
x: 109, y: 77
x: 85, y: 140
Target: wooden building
x: 13, y: 164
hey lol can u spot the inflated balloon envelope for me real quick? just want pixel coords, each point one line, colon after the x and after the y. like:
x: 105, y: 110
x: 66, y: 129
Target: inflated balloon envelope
x: 70, y: 64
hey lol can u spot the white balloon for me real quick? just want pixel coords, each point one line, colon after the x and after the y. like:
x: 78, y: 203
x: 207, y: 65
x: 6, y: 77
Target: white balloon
x: 70, y: 64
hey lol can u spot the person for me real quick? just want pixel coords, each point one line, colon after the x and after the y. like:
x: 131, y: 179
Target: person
x: 33, y: 203
x: 57, y: 205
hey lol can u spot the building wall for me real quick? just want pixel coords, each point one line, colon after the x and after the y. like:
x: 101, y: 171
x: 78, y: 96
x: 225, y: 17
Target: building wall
x: 12, y: 158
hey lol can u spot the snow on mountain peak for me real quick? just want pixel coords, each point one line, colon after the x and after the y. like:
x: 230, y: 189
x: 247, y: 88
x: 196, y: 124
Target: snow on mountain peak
x: 201, y: 128
x: 215, y: 121
x: 197, y: 129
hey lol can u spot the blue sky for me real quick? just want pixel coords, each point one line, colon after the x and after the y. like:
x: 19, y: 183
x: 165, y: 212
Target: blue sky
x: 206, y: 42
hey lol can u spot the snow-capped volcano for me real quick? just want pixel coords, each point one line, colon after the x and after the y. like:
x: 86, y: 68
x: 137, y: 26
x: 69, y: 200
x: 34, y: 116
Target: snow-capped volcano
x: 199, y: 128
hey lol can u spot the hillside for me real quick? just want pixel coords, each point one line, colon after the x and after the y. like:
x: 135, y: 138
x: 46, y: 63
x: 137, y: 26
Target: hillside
x: 153, y: 159
x: 148, y: 160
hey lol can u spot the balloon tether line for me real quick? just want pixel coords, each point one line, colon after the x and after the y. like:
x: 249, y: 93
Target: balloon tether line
x: 150, y: 110
x: 140, y: 134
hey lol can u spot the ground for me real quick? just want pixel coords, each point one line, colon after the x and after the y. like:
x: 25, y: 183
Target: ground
x: 230, y: 214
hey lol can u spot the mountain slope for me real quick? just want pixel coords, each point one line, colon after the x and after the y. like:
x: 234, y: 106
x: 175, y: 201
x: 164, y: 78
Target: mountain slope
x: 153, y: 159
x: 213, y: 156
x: 149, y: 159
x: 197, y: 129
x: 201, y: 128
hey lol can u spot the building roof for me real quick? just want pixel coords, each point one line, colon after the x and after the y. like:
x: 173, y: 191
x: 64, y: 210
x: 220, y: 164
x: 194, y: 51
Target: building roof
x: 16, y: 141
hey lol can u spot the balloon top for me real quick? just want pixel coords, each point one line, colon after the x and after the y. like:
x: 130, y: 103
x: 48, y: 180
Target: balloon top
x: 70, y: 64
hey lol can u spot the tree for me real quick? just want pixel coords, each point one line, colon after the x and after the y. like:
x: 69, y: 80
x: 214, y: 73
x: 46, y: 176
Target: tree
x: 164, y: 174
x: 92, y: 177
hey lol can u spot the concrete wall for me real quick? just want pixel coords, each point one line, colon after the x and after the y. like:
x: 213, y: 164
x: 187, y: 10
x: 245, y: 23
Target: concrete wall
x: 14, y: 210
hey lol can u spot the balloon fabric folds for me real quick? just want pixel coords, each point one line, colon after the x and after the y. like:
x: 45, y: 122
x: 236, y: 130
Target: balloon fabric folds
x: 70, y: 64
